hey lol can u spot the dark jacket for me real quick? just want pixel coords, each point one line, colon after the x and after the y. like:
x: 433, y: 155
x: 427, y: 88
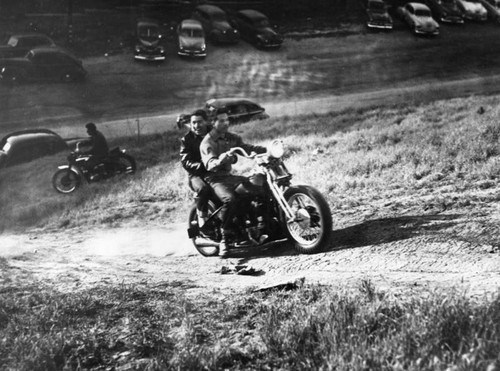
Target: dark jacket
x: 190, y: 154
x: 99, y: 145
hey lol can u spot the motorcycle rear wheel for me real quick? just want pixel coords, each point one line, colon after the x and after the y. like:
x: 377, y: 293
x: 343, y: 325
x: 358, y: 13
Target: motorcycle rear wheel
x: 66, y: 181
x: 204, y: 245
x: 125, y: 164
x: 311, y: 231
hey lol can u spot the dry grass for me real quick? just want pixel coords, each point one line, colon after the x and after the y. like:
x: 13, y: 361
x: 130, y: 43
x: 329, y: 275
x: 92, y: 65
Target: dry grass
x: 161, y: 328
x: 355, y: 157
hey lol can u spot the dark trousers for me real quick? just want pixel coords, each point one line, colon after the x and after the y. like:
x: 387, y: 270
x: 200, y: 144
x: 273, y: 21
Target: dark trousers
x: 224, y: 188
x: 202, y: 190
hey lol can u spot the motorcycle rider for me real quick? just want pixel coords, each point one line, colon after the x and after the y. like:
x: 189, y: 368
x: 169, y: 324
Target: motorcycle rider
x: 98, y: 146
x: 191, y: 162
x: 217, y: 158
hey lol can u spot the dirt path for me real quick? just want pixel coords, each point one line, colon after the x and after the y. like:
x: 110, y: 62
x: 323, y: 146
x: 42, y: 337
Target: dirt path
x: 400, y: 253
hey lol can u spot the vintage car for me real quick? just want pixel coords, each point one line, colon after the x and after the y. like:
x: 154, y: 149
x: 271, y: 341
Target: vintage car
x: 254, y: 27
x: 215, y: 24
x: 419, y: 18
x: 27, y: 145
x: 493, y: 8
x: 43, y: 63
x: 18, y: 45
x: 191, y: 39
x: 446, y: 11
x: 147, y: 47
x: 239, y: 110
x: 377, y: 15
x: 473, y: 10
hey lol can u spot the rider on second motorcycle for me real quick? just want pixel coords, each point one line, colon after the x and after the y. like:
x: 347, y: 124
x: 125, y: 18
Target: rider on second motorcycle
x: 218, y: 161
x: 98, y: 146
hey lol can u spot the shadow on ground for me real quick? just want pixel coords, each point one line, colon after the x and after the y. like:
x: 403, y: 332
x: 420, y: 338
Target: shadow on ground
x: 378, y: 231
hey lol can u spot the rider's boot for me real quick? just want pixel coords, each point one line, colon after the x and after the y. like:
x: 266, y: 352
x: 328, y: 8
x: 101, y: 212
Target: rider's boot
x: 202, y: 218
x: 223, y: 250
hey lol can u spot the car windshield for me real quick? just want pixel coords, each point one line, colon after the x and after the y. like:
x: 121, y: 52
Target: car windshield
x: 13, y: 41
x: 422, y: 13
x: 191, y: 32
x: 262, y: 22
x: 376, y: 7
x: 218, y: 17
x: 148, y: 31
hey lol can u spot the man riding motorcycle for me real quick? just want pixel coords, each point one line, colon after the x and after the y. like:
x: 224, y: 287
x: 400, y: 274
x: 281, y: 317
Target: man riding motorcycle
x: 217, y: 158
x: 98, y: 146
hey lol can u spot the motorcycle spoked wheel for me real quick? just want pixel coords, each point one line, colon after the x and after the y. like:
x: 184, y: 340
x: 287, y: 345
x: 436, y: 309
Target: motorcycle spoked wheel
x: 311, y: 232
x: 125, y: 164
x: 205, y: 246
x: 66, y: 181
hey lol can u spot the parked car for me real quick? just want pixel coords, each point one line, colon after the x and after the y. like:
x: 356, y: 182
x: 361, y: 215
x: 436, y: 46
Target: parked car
x: 446, y: 11
x: 147, y: 47
x: 493, y: 9
x: 191, y: 39
x: 215, y: 24
x: 27, y: 145
x: 473, y: 10
x: 239, y: 110
x: 18, y: 45
x: 255, y: 28
x: 43, y: 63
x: 419, y: 18
x: 377, y: 15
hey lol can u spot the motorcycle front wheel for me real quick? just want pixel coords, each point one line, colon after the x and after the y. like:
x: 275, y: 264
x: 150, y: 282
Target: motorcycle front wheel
x: 206, y: 245
x: 312, y: 225
x: 66, y: 181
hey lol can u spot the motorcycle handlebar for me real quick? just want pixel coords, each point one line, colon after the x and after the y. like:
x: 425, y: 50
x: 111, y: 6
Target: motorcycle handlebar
x: 240, y: 151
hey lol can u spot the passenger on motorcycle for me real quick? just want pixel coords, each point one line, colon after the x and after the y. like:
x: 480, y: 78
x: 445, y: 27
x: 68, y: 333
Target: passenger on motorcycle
x: 98, y: 146
x: 217, y: 158
x: 191, y: 162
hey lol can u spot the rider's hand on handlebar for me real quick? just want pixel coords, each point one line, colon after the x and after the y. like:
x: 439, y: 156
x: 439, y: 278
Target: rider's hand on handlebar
x: 227, y: 157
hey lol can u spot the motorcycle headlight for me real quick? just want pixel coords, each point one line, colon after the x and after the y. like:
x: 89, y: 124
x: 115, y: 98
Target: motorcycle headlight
x: 276, y: 149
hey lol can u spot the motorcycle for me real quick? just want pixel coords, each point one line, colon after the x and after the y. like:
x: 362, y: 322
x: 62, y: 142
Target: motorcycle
x: 70, y: 177
x: 271, y: 211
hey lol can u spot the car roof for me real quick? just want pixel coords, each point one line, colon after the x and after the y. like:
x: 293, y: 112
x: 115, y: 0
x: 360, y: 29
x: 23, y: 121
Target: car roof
x: 28, y: 135
x: 191, y: 23
x: 418, y: 6
x: 28, y: 131
x: 30, y: 34
x: 222, y: 102
x: 210, y: 9
x: 147, y: 22
x: 253, y: 14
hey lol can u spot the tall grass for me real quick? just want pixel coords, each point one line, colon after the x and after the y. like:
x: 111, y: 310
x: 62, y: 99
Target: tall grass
x: 314, y: 327
x: 356, y: 157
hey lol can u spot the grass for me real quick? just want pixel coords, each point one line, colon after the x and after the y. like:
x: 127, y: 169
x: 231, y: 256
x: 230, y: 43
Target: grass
x: 383, y: 162
x: 313, y: 327
x: 358, y: 157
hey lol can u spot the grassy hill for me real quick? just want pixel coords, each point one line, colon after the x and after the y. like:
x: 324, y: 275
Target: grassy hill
x: 439, y: 158
x: 368, y: 163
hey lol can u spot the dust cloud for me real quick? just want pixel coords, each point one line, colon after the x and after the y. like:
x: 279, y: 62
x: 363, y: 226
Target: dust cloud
x: 172, y: 241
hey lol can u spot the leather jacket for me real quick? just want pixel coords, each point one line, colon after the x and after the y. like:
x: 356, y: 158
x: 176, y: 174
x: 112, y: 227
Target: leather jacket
x: 190, y: 154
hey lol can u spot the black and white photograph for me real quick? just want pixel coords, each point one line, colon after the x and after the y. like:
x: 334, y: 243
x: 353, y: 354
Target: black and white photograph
x: 250, y: 185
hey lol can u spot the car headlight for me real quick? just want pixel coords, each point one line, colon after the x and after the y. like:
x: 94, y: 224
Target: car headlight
x: 203, y: 47
x: 137, y: 49
x: 276, y: 149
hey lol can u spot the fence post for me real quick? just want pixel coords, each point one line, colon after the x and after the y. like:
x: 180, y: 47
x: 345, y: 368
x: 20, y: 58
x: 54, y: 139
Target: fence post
x: 138, y: 131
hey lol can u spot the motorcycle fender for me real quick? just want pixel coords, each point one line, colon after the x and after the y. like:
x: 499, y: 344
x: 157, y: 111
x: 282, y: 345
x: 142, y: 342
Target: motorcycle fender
x: 193, y: 231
